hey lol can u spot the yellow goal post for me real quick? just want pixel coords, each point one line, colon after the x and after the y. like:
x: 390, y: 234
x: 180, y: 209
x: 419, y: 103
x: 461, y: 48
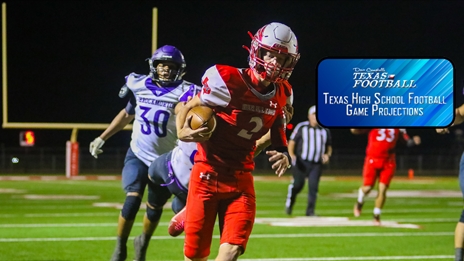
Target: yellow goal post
x: 48, y: 125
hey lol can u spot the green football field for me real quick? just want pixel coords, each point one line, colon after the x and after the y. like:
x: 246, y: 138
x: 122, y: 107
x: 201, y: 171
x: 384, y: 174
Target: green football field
x: 57, y: 219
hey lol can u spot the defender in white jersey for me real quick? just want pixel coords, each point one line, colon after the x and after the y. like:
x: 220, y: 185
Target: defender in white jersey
x: 152, y: 106
x: 170, y: 175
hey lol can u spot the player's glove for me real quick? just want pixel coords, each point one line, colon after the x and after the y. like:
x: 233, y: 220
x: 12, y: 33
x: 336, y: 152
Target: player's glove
x: 95, y: 147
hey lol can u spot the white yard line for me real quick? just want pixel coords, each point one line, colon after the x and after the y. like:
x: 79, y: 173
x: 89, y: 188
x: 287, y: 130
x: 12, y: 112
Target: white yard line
x: 334, y: 219
x: 429, y: 220
x: 51, y: 206
x: 70, y: 225
x: 406, y: 194
x: 308, y: 235
x: 260, y: 212
x: 351, y: 258
x: 349, y: 210
x: 39, y: 225
x: 392, y: 203
x: 101, y: 214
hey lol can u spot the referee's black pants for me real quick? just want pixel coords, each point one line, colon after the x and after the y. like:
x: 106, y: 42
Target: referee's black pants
x: 304, y: 169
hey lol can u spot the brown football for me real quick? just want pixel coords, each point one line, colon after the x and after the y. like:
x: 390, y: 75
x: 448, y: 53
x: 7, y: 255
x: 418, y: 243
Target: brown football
x: 202, y: 116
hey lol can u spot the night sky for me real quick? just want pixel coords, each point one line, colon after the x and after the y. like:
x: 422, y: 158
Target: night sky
x: 67, y: 59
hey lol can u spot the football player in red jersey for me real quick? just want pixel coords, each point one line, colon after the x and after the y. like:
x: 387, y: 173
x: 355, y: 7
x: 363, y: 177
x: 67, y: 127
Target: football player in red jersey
x: 176, y: 224
x: 380, y: 162
x: 248, y: 102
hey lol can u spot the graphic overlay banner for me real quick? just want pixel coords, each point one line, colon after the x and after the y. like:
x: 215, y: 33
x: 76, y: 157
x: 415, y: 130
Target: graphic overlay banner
x: 357, y: 93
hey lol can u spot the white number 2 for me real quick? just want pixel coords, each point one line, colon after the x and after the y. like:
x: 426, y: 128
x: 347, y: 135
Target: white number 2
x: 258, y: 125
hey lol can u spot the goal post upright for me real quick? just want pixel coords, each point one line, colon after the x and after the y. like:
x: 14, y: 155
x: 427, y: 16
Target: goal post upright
x: 4, y: 71
x: 51, y: 125
x: 154, y: 33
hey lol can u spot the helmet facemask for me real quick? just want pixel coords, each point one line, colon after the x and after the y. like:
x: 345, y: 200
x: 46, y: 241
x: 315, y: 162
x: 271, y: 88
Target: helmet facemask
x: 167, y: 59
x: 164, y: 71
x: 278, y: 41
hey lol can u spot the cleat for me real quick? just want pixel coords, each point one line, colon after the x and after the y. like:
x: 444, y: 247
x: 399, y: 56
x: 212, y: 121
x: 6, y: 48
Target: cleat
x: 176, y: 225
x: 357, y: 209
x: 119, y: 255
x: 377, y: 220
x: 288, y: 210
x: 140, y: 250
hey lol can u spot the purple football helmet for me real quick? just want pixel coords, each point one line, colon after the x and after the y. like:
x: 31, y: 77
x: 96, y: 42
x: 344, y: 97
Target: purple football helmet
x: 171, y: 54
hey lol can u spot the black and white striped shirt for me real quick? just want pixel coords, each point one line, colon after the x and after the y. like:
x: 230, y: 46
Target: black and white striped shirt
x: 311, y: 142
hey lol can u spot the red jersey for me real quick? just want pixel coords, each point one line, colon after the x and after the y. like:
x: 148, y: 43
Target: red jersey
x: 381, y: 143
x: 243, y: 116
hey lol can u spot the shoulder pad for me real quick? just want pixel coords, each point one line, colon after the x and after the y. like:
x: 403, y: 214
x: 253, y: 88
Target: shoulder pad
x: 189, y: 90
x: 134, y: 78
x: 192, y: 86
x: 132, y: 75
x: 136, y: 75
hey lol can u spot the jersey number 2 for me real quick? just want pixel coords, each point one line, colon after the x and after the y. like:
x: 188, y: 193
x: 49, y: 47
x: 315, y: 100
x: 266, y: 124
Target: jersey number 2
x: 258, y: 125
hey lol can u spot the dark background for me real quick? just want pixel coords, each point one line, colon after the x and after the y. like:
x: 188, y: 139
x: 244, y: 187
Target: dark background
x: 67, y: 59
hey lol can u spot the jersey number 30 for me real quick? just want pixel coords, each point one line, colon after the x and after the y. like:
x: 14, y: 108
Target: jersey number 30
x: 160, y: 122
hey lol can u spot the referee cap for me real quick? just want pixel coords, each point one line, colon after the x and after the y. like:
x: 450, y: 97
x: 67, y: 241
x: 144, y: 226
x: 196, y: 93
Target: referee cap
x: 312, y: 110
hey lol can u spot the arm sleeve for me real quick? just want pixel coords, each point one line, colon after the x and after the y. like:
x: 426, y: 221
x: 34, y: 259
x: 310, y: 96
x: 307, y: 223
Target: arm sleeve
x: 288, y: 92
x: 131, y: 104
x: 278, y: 135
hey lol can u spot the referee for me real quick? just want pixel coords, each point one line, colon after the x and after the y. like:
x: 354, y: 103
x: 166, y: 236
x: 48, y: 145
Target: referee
x: 310, y: 146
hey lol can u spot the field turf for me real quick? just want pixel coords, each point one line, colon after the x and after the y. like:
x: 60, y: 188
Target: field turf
x: 50, y: 218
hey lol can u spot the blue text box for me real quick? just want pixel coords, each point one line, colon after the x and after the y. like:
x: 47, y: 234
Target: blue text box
x: 384, y: 93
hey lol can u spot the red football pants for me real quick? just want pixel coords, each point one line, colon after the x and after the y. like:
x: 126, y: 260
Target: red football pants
x: 383, y: 168
x: 222, y: 192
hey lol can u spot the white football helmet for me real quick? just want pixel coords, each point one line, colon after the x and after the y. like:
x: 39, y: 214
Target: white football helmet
x: 275, y: 37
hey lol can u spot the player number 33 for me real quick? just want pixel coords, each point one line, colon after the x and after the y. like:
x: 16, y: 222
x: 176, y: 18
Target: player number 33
x: 386, y: 134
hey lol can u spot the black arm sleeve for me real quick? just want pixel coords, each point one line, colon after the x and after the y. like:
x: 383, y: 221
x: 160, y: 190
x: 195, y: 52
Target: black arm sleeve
x: 132, y: 103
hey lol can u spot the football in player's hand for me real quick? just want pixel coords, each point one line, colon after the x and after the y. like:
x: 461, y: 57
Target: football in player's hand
x: 202, y: 116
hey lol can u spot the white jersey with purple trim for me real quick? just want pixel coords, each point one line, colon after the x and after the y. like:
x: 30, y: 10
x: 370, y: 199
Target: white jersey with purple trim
x: 182, y: 161
x: 154, y: 126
